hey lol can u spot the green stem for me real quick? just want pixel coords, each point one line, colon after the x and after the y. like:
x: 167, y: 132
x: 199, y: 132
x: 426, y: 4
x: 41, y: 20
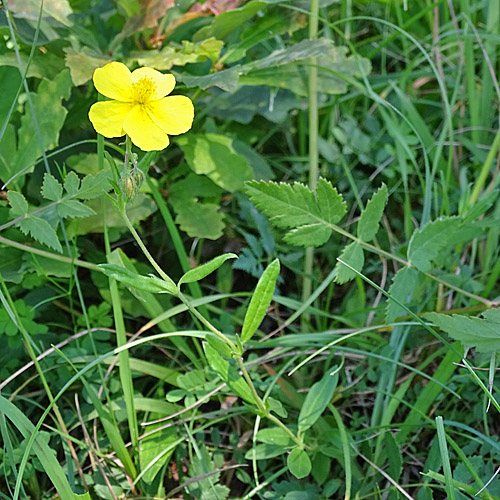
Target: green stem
x: 258, y: 401
x: 205, y: 322
x: 50, y: 255
x: 313, y: 142
x: 143, y: 247
x: 485, y: 170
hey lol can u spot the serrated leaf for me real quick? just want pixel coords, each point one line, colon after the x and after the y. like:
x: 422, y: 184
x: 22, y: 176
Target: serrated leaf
x: 72, y: 183
x: 18, y: 203
x: 296, y: 206
x: 371, y: 215
x: 73, y: 208
x: 317, y: 400
x: 51, y: 188
x: 402, y: 288
x: 299, y: 463
x: 228, y: 374
x: 41, y: 230
x: 93, y: 186
x: 354, y: 256
x: 260, y: 301
x: 302, y: 236
x: 427, y: 242
x: 200, y: 272
x: 481, y: 333
x: 147, y: 283
x: 200, y: 220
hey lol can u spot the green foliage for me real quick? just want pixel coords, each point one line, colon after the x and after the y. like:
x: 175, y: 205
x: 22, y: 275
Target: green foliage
x: 299, y: 463
x: 260, y: 300
x: 480, y: 333
x: 200, y: 272
x: 146, y: 283
x: 317, y: 400
x: 216, y: 420
x: 309, y: 216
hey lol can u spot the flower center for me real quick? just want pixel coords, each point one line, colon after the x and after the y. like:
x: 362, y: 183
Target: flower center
x: 143, y: 90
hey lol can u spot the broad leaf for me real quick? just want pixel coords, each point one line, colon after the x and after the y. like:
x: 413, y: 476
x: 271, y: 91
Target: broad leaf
x: 41, y: 230
x: 317, y: 400
x: 198, y: 273
x: 354, y: 256
x: 51, y: 188
x: 481, y: 333
x: 426, y: 243
x: 295, y: 206
x: 214, y: 156
x: 371, y: 215
x: 147, y: 283
x: 260, y: 301
x: 299, y: 463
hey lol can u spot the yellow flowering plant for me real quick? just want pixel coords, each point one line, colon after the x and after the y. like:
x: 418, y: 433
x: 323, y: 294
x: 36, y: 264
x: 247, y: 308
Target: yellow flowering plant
x: 139, y: 107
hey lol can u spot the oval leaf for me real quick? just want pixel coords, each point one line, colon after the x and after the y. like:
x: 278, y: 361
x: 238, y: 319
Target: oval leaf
x: 147, y: 283
x: 260, y: 300
x: 200, y: 272
x: 317, y: 399
x: 299, y: 463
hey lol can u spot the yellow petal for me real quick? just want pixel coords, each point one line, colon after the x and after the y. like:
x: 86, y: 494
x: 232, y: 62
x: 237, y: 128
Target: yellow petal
x: 164, y: 84
x: 113, y: 81
x: 174, y: 114
x: 143, y: 132
x: 108, y: 117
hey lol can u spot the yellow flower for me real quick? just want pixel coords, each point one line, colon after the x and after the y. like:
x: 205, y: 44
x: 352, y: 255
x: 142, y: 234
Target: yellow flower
x: 139, y: 107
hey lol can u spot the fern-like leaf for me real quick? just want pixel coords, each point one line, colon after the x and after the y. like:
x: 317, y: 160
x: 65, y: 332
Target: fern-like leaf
x: 309, y: 216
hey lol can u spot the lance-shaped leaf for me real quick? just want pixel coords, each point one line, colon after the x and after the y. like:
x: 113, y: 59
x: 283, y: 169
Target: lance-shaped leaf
x: 147, y: 283
x: 198, y: 273
x: 260, y: 301
x: 228, y: 374
x: 309, y: 216
x: 317, y: 400
x: 371, y: 215
x: 354, y: 256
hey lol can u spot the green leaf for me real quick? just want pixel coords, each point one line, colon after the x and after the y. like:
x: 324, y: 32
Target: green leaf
x: 260, y: 301
x: 147, y: 283
x: 170, y: 56
x: 274, y: 435
x: 265, y: 451
x: 74, y: 208
x: 316, y: 401
x: 95, y: 185
x: 43, y: 452
x: 296, y: 206
x: 18, y: 203
x: 154, y: 445
x: 82, y: 64
x: 426, y: 243
x: 299, y: 463
x: 41, y: 230
x: 198, y: 273
x: 10, y: 79
x: 481, y: 333
x: 213, y: 155
x: 51, y: 188
x: 50, y: 115
x: 228, y: 374
x: 219, y: 345
x: 72, y: 183
x: 371, y: 215
x: 402, y: 288
x: 354, y: 256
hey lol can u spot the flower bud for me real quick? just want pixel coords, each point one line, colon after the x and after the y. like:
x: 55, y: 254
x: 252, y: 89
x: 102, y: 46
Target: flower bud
x: 128, y: 186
